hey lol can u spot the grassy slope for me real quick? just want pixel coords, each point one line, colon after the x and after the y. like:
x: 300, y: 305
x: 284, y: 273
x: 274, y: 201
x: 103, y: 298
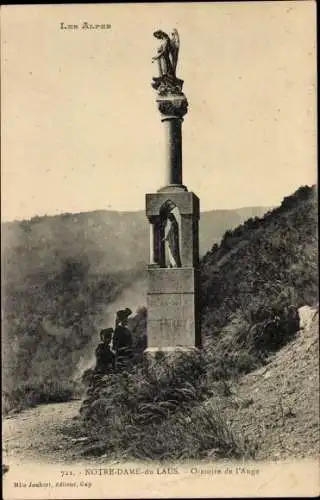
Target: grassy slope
x: 279, y: 403
x: 259, y: 271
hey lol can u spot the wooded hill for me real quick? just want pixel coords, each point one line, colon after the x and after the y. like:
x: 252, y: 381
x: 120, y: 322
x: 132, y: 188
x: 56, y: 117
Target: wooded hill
x: 106, y: 241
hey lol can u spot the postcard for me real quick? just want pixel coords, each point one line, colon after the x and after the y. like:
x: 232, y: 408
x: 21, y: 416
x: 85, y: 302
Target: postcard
x: 159, y: 250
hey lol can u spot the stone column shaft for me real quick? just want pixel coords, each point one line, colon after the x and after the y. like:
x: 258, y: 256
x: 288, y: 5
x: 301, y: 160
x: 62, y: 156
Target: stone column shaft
x: 172, y: 109
x: 173, y: 140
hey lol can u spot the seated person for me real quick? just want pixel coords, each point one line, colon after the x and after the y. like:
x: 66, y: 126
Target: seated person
x: 105, y: 356
x: 122, y: 338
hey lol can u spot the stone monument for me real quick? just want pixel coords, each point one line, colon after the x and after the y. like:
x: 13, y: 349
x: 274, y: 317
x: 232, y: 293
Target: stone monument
x: 173, y: 214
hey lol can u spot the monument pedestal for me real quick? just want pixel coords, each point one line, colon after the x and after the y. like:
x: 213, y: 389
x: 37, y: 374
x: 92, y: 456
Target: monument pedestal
x: 172, y: 302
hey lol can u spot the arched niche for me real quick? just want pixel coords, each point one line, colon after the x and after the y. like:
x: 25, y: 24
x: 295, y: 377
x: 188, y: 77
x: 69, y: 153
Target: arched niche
x: 185, y: 207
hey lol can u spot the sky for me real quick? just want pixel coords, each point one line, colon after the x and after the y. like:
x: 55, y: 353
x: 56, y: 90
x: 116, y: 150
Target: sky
x: 80, y: 127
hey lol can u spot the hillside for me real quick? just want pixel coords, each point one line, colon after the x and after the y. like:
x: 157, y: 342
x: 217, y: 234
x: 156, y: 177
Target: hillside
x: 263, y: 269
x: 110, y: 241
x: 252, y: 389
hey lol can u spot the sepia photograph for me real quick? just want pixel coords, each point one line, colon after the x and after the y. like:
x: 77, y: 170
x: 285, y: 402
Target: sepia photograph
x: 159, y: 250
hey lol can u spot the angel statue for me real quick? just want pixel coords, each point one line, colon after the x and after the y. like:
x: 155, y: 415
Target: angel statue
x: 167, y: 58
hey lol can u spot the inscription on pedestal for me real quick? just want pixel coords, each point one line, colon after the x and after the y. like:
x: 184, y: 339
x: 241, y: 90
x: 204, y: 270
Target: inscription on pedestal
x: 172, y: 307
x: 170, y: 333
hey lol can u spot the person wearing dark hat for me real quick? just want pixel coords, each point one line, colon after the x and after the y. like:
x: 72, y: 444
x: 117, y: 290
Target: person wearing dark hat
x: 104, y: 355
x: 122, y: 339
x: 122, y: 315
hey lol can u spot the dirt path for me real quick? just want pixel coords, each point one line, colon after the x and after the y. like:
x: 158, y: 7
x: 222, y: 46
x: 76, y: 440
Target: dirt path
x: 42, y: 433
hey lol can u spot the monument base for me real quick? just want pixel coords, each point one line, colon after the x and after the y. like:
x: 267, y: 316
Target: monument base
x: 172, y: 188
x: 181, y: 361
x: 158, y: 351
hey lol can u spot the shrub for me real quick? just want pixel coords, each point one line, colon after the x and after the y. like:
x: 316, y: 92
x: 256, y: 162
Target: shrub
x: 30, y: 394
x: 157, y: 411
x: 248, y: 339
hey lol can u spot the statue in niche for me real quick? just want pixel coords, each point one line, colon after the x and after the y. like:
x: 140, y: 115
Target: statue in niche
x: 171, y: 239
x: 167, y: 58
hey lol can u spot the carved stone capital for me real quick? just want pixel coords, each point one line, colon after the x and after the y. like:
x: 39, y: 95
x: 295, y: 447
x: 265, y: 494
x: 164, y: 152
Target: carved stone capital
x: 172, y: 106
x: 167, y: 85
